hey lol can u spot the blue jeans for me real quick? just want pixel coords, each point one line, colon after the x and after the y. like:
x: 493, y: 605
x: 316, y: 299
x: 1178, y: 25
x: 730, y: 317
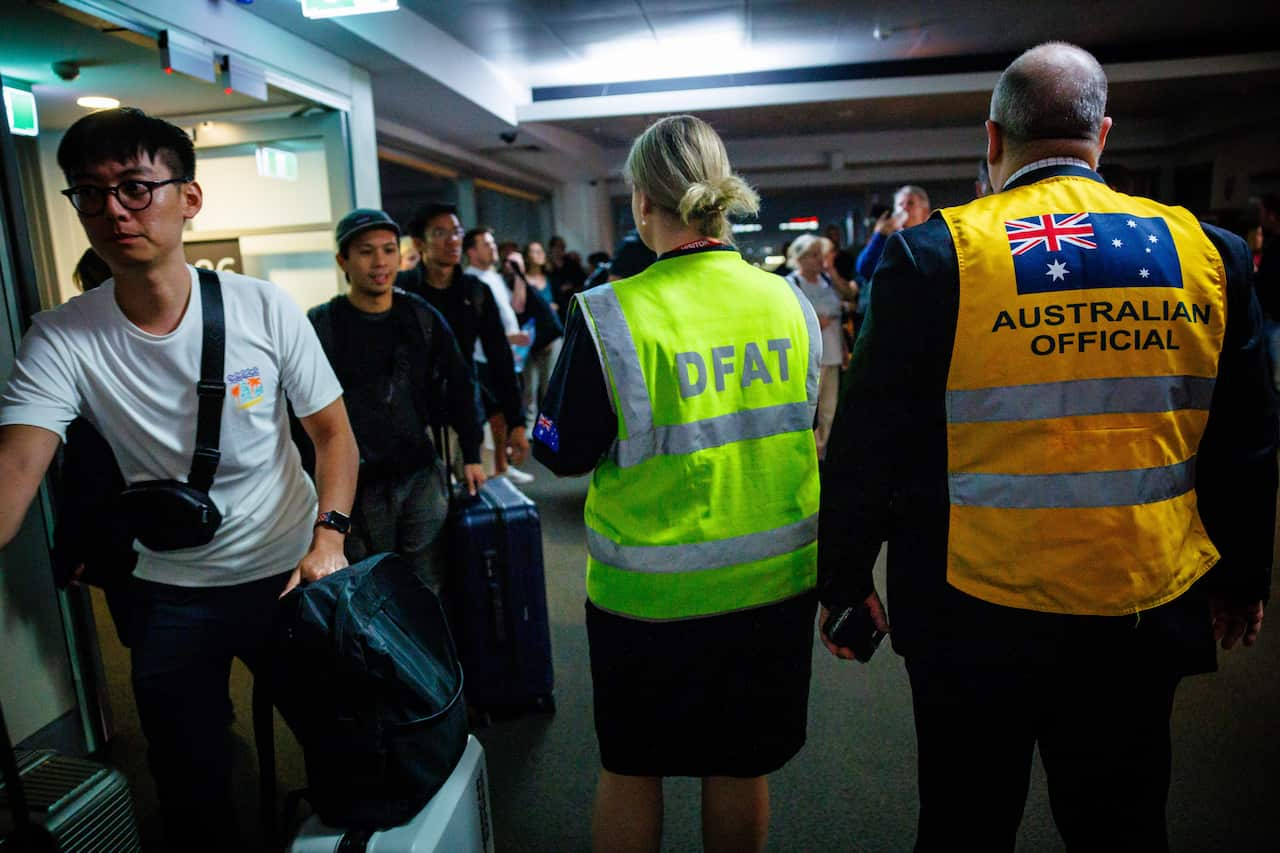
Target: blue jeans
x: 183, y: 641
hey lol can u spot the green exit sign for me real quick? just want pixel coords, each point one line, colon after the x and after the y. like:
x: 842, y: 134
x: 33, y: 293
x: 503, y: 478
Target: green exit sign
x: 337, y: 8
x: 20, y: 107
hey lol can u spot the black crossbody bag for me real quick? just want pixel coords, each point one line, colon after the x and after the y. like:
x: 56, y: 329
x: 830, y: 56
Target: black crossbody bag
x: 166, y: 515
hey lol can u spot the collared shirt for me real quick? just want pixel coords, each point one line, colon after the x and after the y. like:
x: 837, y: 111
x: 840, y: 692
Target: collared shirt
x: 1047, y: 161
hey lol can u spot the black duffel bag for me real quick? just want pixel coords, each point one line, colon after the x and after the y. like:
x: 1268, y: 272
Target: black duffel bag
x: 366, y: 675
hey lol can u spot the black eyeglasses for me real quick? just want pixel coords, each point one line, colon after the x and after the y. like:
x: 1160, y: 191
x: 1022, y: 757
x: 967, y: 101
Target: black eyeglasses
x: 446, y: 233
x: 132, y: 195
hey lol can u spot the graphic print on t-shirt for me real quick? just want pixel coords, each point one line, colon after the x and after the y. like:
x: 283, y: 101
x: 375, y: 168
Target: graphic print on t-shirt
x: 246, y: 387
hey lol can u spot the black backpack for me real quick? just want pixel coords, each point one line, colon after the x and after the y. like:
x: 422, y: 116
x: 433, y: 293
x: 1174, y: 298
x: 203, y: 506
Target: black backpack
x: 366, y: 675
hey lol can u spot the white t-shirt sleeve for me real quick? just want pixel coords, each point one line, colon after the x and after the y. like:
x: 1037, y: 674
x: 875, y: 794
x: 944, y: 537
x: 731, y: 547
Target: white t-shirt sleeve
x: 42, y: 390
x: 305, y: 372
x: 510, y: 323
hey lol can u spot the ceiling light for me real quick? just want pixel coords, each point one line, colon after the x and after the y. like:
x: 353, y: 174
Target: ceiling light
x: 339, y: 8
x: 95, y: 102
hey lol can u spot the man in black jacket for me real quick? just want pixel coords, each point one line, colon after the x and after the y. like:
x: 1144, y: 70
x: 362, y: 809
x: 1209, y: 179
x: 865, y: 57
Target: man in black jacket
x: 468, y: 306
x: 1076, y: 506
x: 401, y: 372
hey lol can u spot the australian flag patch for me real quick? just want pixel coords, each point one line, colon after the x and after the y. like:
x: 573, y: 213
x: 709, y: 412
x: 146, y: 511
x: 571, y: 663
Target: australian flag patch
x: 545, y: 431
x: 1078, y: 251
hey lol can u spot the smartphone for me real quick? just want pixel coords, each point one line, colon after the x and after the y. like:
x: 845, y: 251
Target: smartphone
x: 854, y: 629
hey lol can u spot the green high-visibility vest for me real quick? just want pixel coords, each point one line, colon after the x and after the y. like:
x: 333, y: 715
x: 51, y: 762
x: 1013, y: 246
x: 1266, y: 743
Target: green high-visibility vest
x: 708, y: 500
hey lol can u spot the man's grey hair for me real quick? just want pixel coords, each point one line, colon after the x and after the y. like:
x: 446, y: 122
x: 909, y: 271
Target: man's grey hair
x: 912, y: 189
x: 1052, y: 91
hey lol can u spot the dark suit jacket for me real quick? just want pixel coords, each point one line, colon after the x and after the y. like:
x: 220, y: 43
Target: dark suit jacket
x: 885, y: 474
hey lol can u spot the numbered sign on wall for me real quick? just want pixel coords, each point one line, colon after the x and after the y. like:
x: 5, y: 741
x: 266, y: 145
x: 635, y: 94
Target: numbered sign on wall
x: 217, y: 255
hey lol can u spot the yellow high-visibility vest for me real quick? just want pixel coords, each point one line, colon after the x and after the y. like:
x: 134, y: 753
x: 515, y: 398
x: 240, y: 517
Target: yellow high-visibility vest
x: 1087, y: 343
x: 708, y: 500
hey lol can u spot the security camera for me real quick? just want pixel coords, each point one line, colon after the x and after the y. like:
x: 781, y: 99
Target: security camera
x: 508, y: 136
x: 67, y: 69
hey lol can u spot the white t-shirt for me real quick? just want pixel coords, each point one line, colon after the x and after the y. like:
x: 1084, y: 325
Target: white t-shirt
x: 826, y: 304
x: 86, y: 359
x: 510, y: 323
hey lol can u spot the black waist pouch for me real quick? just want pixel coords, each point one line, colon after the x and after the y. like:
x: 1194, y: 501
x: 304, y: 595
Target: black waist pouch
x: 166, y: 515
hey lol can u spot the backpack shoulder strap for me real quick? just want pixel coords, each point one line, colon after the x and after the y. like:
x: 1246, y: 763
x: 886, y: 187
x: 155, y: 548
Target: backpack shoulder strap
x: 321, y: 317
x: 423, y: 314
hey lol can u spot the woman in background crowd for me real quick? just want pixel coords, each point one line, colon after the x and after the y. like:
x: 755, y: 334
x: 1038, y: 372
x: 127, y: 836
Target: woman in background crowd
x: 409, y: 254
x: 807, y: 257
x: 535, y: 273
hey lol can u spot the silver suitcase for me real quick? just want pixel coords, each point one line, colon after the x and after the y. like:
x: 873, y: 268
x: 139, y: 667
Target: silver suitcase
x: 85, y: 806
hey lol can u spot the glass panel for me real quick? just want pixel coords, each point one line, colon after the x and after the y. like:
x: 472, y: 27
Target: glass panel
x: 301, y: 262
x: 238, y: 198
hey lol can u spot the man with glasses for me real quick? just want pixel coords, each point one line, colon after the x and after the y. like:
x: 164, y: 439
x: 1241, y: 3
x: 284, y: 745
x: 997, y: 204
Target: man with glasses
x: 469, y: 307
x: 127, y: 357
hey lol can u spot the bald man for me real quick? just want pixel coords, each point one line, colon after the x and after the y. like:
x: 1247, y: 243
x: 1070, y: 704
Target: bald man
x: 1063, y: 426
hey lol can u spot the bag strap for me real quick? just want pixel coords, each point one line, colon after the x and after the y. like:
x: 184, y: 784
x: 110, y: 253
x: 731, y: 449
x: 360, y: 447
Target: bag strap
x: 211, y: 390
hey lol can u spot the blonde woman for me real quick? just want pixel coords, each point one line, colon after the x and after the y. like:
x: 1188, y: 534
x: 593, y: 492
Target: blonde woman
x: 807, y: 257
x: 410, y: 257
x: 689, y: 390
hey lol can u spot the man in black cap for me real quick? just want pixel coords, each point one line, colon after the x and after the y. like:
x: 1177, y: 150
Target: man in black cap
x: 401, y: 372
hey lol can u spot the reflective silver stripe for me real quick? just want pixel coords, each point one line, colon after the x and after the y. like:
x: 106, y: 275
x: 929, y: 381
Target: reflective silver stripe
x: 678, y: 439
x: 1079, y: 397
x: 704, y: 555
x: 1057, y: 491
x: 578, y: 302
x: 624, y: 362
x: 815, y: 346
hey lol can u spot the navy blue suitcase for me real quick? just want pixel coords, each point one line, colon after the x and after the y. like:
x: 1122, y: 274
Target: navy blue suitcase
x: 504, y: 640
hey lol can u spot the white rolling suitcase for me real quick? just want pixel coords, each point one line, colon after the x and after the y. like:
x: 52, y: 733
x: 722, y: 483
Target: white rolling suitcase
x: 456, y: 820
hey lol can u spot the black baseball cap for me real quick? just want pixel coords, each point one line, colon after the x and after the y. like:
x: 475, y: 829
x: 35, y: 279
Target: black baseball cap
x: 359, y: 220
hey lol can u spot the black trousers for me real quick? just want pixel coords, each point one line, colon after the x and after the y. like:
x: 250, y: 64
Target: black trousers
x: 1098, y: 708
x: 183, y: 642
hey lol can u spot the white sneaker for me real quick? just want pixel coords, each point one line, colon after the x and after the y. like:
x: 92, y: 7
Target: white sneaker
x: 517, y: 476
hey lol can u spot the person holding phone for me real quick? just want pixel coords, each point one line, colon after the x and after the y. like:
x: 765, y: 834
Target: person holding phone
x: 689, y: 390
x: 910, y: 208
x: 1069, y: 527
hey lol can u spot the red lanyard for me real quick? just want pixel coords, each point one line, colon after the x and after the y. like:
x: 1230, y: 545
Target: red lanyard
x: 704, y: 243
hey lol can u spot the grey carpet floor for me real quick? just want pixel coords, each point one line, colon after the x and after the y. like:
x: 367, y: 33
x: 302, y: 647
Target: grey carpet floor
x: 852, y: 787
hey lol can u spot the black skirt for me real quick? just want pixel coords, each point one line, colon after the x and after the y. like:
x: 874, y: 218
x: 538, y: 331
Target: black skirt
x: 722, y: 695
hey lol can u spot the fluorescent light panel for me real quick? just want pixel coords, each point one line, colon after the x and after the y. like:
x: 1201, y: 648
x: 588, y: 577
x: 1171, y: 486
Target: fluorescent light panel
x: 97, y: 102
x: 339, y: 8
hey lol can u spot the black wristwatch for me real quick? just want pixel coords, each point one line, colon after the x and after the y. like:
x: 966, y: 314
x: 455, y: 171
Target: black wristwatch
x: 335, y: 520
